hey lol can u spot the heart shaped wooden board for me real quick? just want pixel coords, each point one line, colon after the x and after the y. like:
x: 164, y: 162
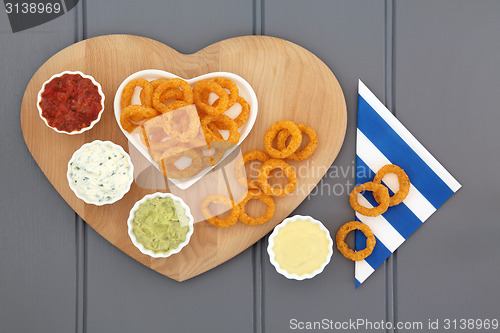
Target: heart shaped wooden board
x: 290, y: 82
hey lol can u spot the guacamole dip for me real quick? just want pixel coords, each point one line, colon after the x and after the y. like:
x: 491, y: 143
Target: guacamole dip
x: 160, y: 224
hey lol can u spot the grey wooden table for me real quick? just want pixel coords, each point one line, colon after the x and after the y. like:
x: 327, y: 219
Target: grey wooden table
x: 434, y: 63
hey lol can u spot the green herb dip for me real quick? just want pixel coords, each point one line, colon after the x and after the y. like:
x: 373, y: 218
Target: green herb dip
x: 160, y: 224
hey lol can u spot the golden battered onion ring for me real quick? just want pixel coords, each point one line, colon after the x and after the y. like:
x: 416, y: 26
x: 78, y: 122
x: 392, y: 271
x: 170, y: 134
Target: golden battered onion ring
x: 135, y: 113
x: 154, y: 84
x: 175, y: 94
x: 219, y: 150
x: 221, y: 200
x: 169, y: 157
x: 157, y: 150
x: 259, y: 195
x: 155, y: 137
x: 307, y: 151
x: 214, y: 156
x: 404, y: 184
x: 172, y: 84
x: 344, y: 248
x: 128, y: 91
x: 144, y: 137
x: 381, y: 190
x: 231, y: 86
x: 253, y: 155
x: 180, y: 135
x: 264, y: 171
x: 242, y: 118
x: 222, y: 122
x: 202, y: 103
x: 273, y: 131
x: 214, y: 130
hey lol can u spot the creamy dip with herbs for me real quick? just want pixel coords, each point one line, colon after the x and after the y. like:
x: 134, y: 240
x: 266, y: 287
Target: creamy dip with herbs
x: 99, y: 173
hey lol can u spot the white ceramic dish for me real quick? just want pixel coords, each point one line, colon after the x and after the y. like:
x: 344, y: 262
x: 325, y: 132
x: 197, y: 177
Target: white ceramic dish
x: 139, y: 245
x: 245, y: 90
x: 111, y: 144
x: 99, y: 88
x: 280, y: 226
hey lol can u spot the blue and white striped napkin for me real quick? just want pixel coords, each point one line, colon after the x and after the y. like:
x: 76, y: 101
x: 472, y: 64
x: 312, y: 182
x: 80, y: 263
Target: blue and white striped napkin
x: 382, y: 139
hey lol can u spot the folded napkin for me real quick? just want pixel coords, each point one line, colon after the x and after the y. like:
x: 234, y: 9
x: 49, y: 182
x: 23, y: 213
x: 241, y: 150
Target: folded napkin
x: 381, y: 139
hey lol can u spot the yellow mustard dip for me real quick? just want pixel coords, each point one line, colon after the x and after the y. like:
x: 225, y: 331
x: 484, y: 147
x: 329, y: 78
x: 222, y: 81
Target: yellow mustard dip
x: 300, y: 247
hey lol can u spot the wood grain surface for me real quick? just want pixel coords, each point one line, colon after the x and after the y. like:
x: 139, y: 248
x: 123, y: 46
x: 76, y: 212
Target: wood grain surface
x: 290, y: 82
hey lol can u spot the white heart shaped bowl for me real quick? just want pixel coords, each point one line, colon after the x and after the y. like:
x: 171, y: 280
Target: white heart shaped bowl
x: 139, y: 245
x: 99, y: 88
x: 270, y: 248
x: 245, y: 90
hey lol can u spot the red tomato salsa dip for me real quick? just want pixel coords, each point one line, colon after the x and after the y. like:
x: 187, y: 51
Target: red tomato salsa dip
x: 70, y: 102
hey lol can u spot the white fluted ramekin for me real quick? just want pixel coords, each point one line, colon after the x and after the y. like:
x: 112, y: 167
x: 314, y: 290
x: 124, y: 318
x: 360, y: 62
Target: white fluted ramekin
x: 270, y: 248
x: 99, y: 88
x: 130, y: 172
x: 139, y: 245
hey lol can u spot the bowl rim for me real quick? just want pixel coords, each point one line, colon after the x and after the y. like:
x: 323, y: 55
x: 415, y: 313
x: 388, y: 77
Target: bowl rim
x: 271, y: 253
x: 110, y: 144
x: 95, y: 121
x: 185, y: 183
x: 139, y: 245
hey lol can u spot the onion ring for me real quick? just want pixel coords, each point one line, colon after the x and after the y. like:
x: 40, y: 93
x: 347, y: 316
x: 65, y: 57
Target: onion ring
x: 175, y: 94
x: 231, y: 86
x: 222, y: 200
x: 168, y: 158
x: 172, y: 84
x: 179, y: 135
x: 219, y: 150
x: 404, y: 184
x: 344, y: 248
x: 253, y: 155
x: 381, y: 190
x: 135, y: 113
x: 307, y: 151
x: 223, y: 122
x: 128, y: 91
x: 259, y: 195
x: 203, y: 105
x: 264, y: 171
x: 273, y: 131
x: 214, y: 130
x: 242, y: 118
x: 154, y: 84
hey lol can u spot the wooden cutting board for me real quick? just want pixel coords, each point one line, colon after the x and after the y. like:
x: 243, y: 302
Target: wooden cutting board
x: 290, y: 82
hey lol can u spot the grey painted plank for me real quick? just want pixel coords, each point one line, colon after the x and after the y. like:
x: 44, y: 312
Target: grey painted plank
x: 123, y: 295
x: 447, y: 81
x: 37, y: 228
x: 349, y: 37
x: 188, y: 26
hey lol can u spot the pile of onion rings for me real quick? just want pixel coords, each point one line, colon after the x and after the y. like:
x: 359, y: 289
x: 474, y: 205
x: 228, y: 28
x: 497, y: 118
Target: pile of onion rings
x: 381, y: 195
x: 380, y: 192
x: 404, y: 183
x: 379, y: 189
x: 200, y: 132
x: 260, y: 188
